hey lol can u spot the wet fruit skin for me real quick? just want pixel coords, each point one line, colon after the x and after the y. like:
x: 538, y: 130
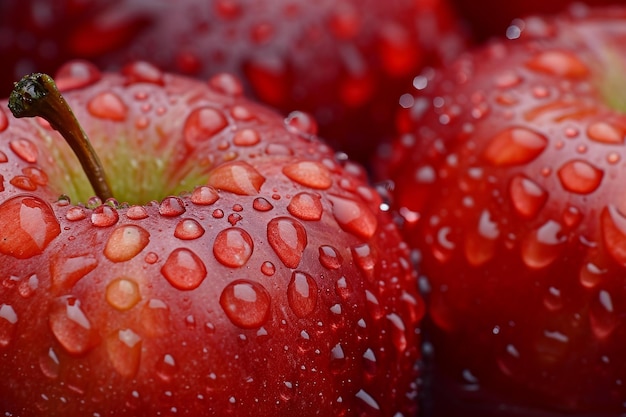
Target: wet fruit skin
x: 508, y: 172
x: 345, y: 62
x: 250, y: 273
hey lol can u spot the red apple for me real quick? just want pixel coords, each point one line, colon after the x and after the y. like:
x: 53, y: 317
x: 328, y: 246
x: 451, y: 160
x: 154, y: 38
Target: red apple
x: 510, y: 172
x: 241, y: 269
x: 346, y: 62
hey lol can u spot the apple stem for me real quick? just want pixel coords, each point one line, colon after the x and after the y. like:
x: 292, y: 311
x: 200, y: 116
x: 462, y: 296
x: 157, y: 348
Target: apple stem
x: 37, y: 95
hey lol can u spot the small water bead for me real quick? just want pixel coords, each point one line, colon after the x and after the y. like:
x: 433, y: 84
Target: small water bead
x: 166, y: 368
x: 602, y: 315
x: 508, y: 79
x: 337, y: 358
x: 354, y: 216
x: 514, y: 146
x: 342, y: 288
x: 77, y: 74
x: 302, y: 294
x: 172, y: 207
x: 188, y: 229
x: 218, y: 213
x: 306, y: 206
x: 184, y: 270
x: 124, y: 349
x: 151, y: 258
x: 143, y: 72
x: 25, y: 149
x: 301, y: 123
x: 71, y: 327
x: 28, y: 225
x: 202, y: 124
x: 234, y: 218
x: 123, y: 294
x: 261, y: 204
x: 288, y: 238
x: 613, y: 158
x: 237, y: 177
x: 66, y: 271
x: 543, y: 246
x: 108, y: 105
x: 49, y: 364
x: 268, y: 268
x: 373, y: 306
x: 558, y: 63
x: 155, y: 318
x: 246, y: 303
x: 527, y: 196
x: 242, y: 113
x: 310, y: 174
x: 226, y: 83
x: 104, y: 216
x: 36, y: 175
x: 137, y: 213
x: 329, y: 257
x: 233, y: 247
x: 8, y: 319
x: 126, y: 242
x: 204, y: 196
x: 246, y: 137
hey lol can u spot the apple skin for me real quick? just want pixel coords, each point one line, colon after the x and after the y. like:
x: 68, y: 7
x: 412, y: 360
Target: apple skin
x: 345, y: 62
x: 275, y: 285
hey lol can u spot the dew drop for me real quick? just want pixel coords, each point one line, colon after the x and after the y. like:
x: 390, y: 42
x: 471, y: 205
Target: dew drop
x: 166, y: 368
x: 604, y: 132
x: 288, y: 238
x: 354, y: 216
x: 342, y: 288
x: 558, y: 63
x: 27, y: 226
x: 337, y: 358
x: 76, y: 74
x: 236, y: 177
x: 527, y: 196
x: 104, y: 216
x: 49, y: 364
x: 66, y: 271
x: 155, y: 318
x: 578, y: 176
x: 171, y: 207
x: 75, y: 213
x: 25, y: 149
x: 310, y: 174
x: 301, y: 123
x: 188, y: 229
x: 184, y: 269
x: 108, y: 105
x: 142, y: 72
x: 614, y: 233
x: 124, y: 349
x: 261, y: 204
x: 367, y: 400
x: 126, y: 242
x: 137, y: 213
x: 329, y: 257
x: 246, y: 137
x: 373, y: 306
x: 543, y: 246
x: 602, y: 316
x: 202, y: 124
x: 8, y: 319
x: 151, y: 258
x: 365, y: 259
x: 204, y: 196
x: 246, y: 303
x: 306, y: 206
x: 398, y: 332
x: 71, y: 327
x: 4, y: 121
x: 268, y: 268
x: 23, y: 183
x: 233, y: 247
x: 515, y: 146
x: 226, y: 83
x: 122, y: 294
x: 480, y: 243
x: 302, y: 294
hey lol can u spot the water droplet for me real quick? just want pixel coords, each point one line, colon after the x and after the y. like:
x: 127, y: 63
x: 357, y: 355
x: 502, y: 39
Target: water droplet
x: 330, y: 257
x: 8, y: 318
x: 614, y: 233
x: 204, y: 196
x: 184, y: 269
x: 288, y: 238
x: 136, y: 213
x: 398, y: 332
x: 373, y: 306
x: 226, y: 83
x: 233, y: 247
x: 365, y: 259
x: 65, y: 271
x: 508, y: 79
x: 71, y: 327
x: 126, y: 242
x: 310, y: 174
x: 268, y: 268
x: 27, y: 226
x: 236, y: 177
x: 246, y: 137
x: 261, y: 204
x: 306, y: 206
x: 342, y: 288
x: 301, y: 123
x: 104, y: 216
x: 302, y: 294
x: 155, y: 318
x: 543, y: 246
x: 369, y: 364
x: 27, y: 287
x: 142, y: 72
x: 76, y: 74
x: 234, y: 218
x: 354, y: 216
x: 188, y: 229
x: 578, y: 176
x: 171, y: 207
x: 75, y: 213
x: 108, y: 105
x: 480, y: 243
x: 123, y: 293
x: 23, y: 183
x: 3, y: 157
x: 25, y: 149
x: 124, y: 349
x: 246, y: 303
x: 337, y: 358
x: 202, y: 124
x: 604, y: 132
x: 515, y: 146
x: 166, y: 368
x: 4, y: 121
x: 151, y: 258
x: 602, y: 315
x: 368, y: 401
x: 558, y: 63
x: 527, y: 197
x: 591, y: 275
x: 49, y: 364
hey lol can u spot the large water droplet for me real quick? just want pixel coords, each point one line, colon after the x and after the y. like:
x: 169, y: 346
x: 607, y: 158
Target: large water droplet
x: 233, y: 247
x: 310, y: 174
x: 126, y: 242
x: 515, y: 146
x: 124, y: 349
x: 143, y: 72
x: 76, y: 74
x: 302, y: 294
x: 25, y: 149
x: 330, y: 257
x: 246, y: 303
x: 288, y: 238
x: 8, y: 319
x: 27, y: 226
x: 236, y: 177
x: 104, y: 216
x: 543, y: 246
x: 354, y: 216
x: 202, y: 124
x: 204, y: 196
x: 614, y: 233
x: 155, y: 318
x: 108, y: 105
x: 527, y: 197
x: 137, y: 213
x: 306, y: 206
x: 605, y: 132
x: 184, y: 269
x: 558, y: 63
x: 188, y: 229
x: 580, y: 176
x: 71, y: 327
x: 123, y: 293
x: 171, y: 207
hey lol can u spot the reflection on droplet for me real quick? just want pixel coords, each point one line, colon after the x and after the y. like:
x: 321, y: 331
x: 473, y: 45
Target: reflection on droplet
x: 184, y: 269
x: 306, y: 206
x: 246, y: 303
x: 527, y: 197
x: 580, y: 176
x: 354, y: 216
x: 365, y: 259
x: 71, y: 327
x: 515, y: 146
x: 166, y: 368
x: 237, y: 177
x: 246, y: 137
x: 104, y: 216
x: 302, y: 294
x: 126, y: 242
x: 204, y: 196
x: 25, y: 149
x: 288, y: 238
x: 329, y: 257
x: 49, y: 364
x: 108, y: 105
x: 233, y: 247
x: 543, y: 246
x: 188, y: 229
x: 202, y: 124
x: 398, y: 332
x: 122, y: 293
